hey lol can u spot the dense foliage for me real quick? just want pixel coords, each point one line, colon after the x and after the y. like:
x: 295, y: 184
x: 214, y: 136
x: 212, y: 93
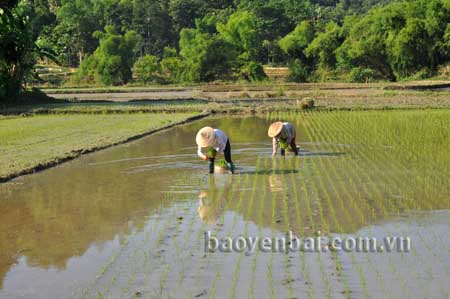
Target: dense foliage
x: 18, y: 47
x: 201, y: 40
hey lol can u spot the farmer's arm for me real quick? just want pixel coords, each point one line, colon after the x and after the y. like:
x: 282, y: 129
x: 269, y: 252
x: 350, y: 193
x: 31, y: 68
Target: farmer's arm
x: 201, y: 155
x: 274, y: 146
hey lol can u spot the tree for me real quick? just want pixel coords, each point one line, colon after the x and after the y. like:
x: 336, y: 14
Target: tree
x: 410, y: 51
x: 206, y: 57
x: 18, y: 51
x: 241, y: 34
x: 76, y: 24
x: 172, y: 69
x: 151, y: 20
x: 296, y: 41
x: 146, y: 68
x: 240, y: 31
x: 294, y: 45
x: 365, y: 45
x: 184, y: 13
x: 324, y: 46
x: 112, y: 61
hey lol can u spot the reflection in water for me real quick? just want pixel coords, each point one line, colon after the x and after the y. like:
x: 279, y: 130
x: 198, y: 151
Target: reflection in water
x: 275, y: 183
x: 212, y: 202
x: 130, y: 219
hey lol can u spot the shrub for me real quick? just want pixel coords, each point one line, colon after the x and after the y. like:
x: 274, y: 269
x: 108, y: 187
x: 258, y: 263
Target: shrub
x: 146, y: 69
x: 171, y: 69
x: 112, y: 61
x: 298, y: 72
x: 252, y: 71
x: 362, y: 75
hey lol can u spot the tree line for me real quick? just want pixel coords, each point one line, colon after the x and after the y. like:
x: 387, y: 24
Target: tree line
x: 170, y: 41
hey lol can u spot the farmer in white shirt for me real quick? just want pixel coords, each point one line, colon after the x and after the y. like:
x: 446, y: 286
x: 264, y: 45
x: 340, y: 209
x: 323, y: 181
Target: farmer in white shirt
x: 216, y: 142
x: 283, y: 136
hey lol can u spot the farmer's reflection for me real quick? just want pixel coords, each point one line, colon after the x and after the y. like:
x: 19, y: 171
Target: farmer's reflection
x: 212, y: 202
x: 275, y: 183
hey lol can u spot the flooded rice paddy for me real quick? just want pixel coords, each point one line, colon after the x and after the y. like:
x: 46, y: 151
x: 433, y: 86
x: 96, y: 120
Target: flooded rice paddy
x: 129, y: 222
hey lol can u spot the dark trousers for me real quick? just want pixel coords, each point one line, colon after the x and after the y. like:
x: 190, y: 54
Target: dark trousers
x: 227, y: 152
x: 293, y: 147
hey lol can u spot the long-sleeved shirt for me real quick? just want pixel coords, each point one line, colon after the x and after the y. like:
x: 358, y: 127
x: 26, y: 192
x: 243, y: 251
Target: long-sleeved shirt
x: 219, y: 144
x: 287, y: 133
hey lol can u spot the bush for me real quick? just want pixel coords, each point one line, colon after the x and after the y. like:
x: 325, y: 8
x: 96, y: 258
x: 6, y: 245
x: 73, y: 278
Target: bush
x: 362, y: 75
x: 146, y: 69
x: 422, y: 74
x: 252, y: 71
x: 112, y: 61
x: 298, y: 72
x: 171, y: 69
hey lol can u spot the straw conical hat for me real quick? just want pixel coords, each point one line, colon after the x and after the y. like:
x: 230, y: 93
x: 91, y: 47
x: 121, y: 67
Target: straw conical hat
x: 275, y: 129
x: 205, y: 137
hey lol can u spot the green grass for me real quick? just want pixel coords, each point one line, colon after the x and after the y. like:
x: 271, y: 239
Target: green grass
x: 43, y: 140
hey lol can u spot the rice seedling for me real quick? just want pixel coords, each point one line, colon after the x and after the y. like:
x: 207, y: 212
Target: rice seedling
x: 249, y: 210
x: 360, y: 273
x: 348, y: 196
x: 336, y: 224
x: 228, y: 199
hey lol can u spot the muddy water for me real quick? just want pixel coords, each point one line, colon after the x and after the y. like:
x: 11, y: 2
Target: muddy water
x: 129, y: 222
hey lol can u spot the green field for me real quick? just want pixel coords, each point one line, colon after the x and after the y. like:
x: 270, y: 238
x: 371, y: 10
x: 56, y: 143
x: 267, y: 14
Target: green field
x: 27, y: 143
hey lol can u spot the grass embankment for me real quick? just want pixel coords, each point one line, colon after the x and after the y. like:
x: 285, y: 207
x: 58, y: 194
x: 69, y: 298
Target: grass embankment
x: 28, y: 144
x: 237, y: 101
x: 244, y: 98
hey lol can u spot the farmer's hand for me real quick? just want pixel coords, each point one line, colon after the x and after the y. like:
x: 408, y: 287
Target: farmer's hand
x: 273, y: 154
x: 205, y: 158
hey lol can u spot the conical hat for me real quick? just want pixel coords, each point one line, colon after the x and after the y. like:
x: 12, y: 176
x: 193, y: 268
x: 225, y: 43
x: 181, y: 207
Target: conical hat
x: 275, y: 129
x: 205, y: 137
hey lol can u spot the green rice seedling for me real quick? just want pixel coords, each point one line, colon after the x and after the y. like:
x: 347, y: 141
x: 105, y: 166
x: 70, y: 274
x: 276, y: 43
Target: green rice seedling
x: 331, y: 165
x: 332, y: 211
x: 160, y: 232
x: 307, y: 215
x: 184, y: 263
x: 287, y: 226
x: 234, y: 182
x: 394, y: 269
x: 324, y: 273
x: 241, y: 199
x: 247, y: 212
x: 260, y: 218
x: 380, y: 173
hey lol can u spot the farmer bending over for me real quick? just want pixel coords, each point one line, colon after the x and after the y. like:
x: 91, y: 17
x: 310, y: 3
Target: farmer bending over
x: 216, y: 142
x: 283, y: 134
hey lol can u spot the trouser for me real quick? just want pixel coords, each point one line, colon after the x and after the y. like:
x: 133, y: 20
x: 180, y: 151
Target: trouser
x: 226, y: 153
x: 293, y: 147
